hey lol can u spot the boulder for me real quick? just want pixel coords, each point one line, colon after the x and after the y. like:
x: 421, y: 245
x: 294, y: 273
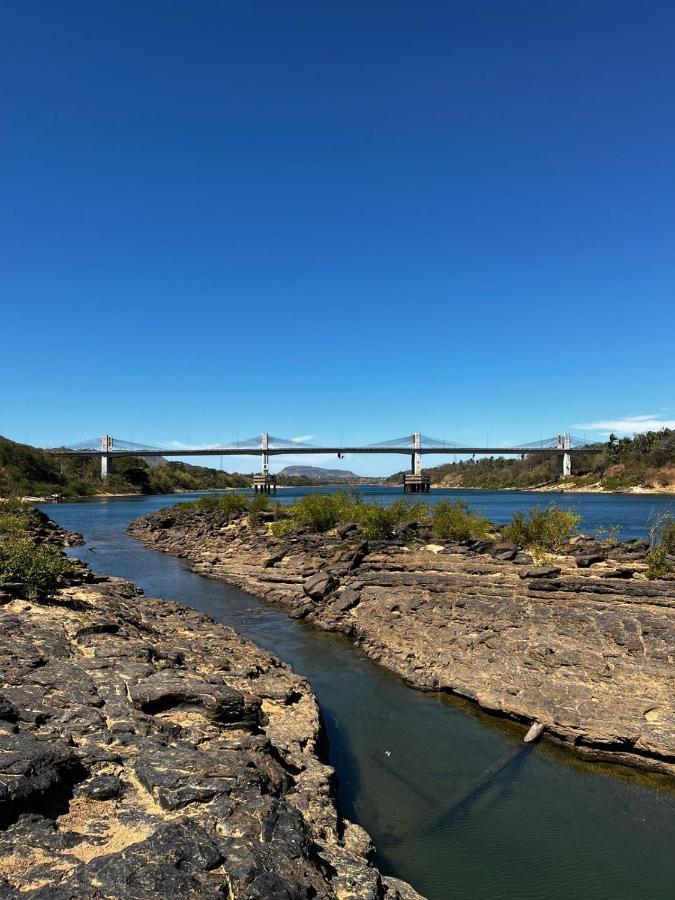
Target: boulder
x: 347, y: 600
x: 586, y: 560
x: 349, y: 528
x: 504, y: 550
x: 320, y: 585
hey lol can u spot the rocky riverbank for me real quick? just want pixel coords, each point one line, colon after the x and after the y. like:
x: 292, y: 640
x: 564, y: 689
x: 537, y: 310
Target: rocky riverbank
x: 583, y: 645
x: 146, y: 751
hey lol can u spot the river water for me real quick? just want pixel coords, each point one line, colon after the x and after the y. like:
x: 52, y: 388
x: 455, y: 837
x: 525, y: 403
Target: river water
x: 411, y: 766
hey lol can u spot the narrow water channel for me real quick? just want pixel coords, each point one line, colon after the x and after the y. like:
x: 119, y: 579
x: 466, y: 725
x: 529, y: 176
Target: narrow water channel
x: 411, y: 766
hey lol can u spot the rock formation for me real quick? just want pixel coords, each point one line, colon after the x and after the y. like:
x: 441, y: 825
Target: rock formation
x: 148, y: 752
x: 583, y: 645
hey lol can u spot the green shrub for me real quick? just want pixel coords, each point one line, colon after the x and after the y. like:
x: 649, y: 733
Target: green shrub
x: 15, y: 516
x: 546, y: 529
x: 658, y: 563
x: 453, y: 521
x: 321, y: 512
x: 620, y: 482
x: 39, y: 567
x: 259, y: 504
x: 668, y: 535
x: 234, y: 504
x: 378, y: 522
x: 282, y: 527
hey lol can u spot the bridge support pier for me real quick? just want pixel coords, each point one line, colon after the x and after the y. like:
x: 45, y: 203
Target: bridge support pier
x: 265, y: 483
x: 415, y: 482
x: 106, y: 461
x: 564, y: 457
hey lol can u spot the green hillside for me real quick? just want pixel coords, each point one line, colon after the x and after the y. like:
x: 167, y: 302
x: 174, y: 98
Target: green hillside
x: 643, y: 461
x: 27, y: 471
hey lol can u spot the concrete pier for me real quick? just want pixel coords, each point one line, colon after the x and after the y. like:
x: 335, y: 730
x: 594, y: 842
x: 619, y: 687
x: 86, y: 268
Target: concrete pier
x: 106, y: 461
x: 265, y: 483
x: 565, y: 457
x: 415, y: 482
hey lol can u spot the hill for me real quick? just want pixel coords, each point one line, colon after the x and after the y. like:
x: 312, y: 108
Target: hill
x: 316, y: 473
x: 643, y: 462
x: 28, y: 471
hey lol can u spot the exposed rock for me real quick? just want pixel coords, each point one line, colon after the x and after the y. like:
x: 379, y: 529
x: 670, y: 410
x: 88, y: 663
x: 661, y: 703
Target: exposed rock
x: 588, y: 656
x: 586, y: 560
x: 541, y: 572
x: 146, y: 752
x: 320, y: 585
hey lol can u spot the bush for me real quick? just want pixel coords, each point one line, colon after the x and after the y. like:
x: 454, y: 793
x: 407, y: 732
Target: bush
x: 40, y: 568
x: 452, y: 521
x: 282, y: 527
x: 546, y: 529
x: 668, y: 535
x: 321, y: 512
x: 15, y: 516
x: 658, y: 563
x: 378, y: 522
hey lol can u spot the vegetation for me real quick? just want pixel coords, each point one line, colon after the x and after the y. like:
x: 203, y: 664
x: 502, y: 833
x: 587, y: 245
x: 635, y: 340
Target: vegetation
x: 40, y: 568
x: 22, y: 560
x: 543, y: 529
x: 658, y: 563
x: 455, y: 522
x: 27, y: 471
x: 646, y: 460
x: 662, y: 539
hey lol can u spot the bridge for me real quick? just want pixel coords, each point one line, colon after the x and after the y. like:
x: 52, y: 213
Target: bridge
x: 416, y: 445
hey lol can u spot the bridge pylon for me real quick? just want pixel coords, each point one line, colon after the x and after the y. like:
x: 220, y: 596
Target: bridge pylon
x: 106, y: 461
x: 415, y: 481
x: 265, y: 483
x: 564, y: 456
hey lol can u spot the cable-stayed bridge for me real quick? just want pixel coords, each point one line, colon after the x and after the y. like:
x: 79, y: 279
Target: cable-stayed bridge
x: 265, y: 445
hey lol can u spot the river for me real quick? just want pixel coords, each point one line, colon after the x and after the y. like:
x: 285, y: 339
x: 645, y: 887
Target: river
x: 546, y: 824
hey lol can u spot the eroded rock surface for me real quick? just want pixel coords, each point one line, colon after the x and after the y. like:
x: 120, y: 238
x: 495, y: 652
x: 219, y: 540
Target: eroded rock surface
x: 586, y: 650
x: 147, y: 752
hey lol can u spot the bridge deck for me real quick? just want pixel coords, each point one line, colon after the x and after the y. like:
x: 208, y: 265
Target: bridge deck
x: 295, y: 451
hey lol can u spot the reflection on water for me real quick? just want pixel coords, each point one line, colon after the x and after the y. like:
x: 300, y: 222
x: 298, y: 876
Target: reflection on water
x: 454, y: 801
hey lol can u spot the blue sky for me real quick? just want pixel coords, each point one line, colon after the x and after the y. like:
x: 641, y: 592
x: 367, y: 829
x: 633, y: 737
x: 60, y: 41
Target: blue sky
x: 347, y: 220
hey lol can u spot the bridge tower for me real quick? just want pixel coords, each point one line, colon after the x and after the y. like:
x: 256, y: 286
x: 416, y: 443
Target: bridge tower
x: 106, y: 461
x: 415, y: 482
x: 564, y: 457
x: 265, y: 483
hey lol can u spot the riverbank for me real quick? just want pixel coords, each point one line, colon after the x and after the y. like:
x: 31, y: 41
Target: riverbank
x: 582, y: 645
x: 147, y: 750
x: 567, y: 488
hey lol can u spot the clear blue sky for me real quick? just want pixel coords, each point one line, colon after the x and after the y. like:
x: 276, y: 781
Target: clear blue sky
x: 348, y: 219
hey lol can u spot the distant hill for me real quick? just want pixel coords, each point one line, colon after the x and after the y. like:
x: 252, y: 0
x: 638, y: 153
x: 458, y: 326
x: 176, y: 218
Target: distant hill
x: 316, y: 473
x: 28, y: 471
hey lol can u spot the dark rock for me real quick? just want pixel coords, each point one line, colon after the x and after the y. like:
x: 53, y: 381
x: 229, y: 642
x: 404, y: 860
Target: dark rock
x: 101, y: 787
x: 348, y: 529
x: 502, y: 549
x: 523, y: 559
x: 274, y: 559
x: 347, y: 600
x: 169, y: 690
x: 541, y: 572
x: 320, y: 585
x: 623, y: 572
x: 586, y: 560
